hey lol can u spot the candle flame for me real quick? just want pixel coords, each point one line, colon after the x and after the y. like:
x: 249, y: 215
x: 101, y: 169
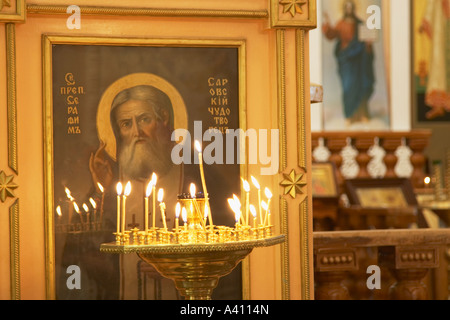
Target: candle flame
x: 237, y: 201
x: 100, y: 187
x: 148, y: 192
x: 255, y: 182
x: 119, y: 188
x: 58, y: 211
x: 153, y: 180
x: 184, y: 214
x: 160, y: 194
x: 246, y: 185
x: 253, y: 210
x: 237, y: 215
x: 192, y: 190
x: 206, y: 210
x: 85, y: 207
x: 232, y: 204
x: 127, y: 189
x: 427, y: 180
x: 77, y: 209
x: 268, y: 193
x: 177, y: 210
x: 198, y: 146
x: 264, y: 205
x: 94, y: 205
x: 69, y: 194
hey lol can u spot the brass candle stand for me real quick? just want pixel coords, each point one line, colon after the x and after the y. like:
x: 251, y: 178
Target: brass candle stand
x: 194, y: 254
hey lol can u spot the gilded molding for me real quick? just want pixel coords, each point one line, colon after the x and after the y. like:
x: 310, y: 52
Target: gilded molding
x: 153, y: 12
x: 281, y: 80
x: 285, y: 272
x: 301, y: 100
x: 11, y: 95
x: 14, y: 250
x: 18, y: 15
x: 304, y: 250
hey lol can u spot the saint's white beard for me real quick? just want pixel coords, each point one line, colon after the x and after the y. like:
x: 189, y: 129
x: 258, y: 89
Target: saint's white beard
x: 141, y: 160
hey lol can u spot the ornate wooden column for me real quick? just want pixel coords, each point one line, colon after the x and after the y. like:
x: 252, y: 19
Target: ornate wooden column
x: 11, y: 12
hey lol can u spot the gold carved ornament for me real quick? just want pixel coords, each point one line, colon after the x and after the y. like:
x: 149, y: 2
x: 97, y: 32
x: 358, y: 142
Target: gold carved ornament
x: 293, y: 6
x: 6, y: 186
x: 293, y: 183
x: 4, y: 3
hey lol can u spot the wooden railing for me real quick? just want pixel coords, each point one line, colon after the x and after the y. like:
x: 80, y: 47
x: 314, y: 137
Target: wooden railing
x: 404, y: 258
x: 405, y: 146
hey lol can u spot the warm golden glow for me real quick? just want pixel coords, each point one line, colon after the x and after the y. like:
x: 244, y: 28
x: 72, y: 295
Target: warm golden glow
x: 246, y: 185
x: 92, y: 201
x: 198, y: 146
x: 58, y: 211
x: 119, y: 188
x: 192, y: 190
x: 77, y: 209
x: 160, y: 194
x: 69, y: 194
x: 255, y: 182
x: 127, y: 189
x: 100, y: 187
x: 253, y: 210
x: 148, y: 192
x: 268, y: 193
x: 177, y: 210
x: 85, y: 207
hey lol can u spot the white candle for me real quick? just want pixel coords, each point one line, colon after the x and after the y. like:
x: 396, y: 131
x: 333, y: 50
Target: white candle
x: 253, y: 211
x: 162, y: 206
x: 237, y: 203
x: 153, y: 182
x: 77, y: 210
x: 126, y: 193
x: 86, y: 209
x: 100, y: 187
x: 119, y: 212
x: 246, y: 186
x: 268, y: 194
x: 256, y: 184
x: 147, y: 195
x: 264, y: 206
x: 184, y: 216
x: 202, y: 175
x: 94, y: 205
x: 177, y: 215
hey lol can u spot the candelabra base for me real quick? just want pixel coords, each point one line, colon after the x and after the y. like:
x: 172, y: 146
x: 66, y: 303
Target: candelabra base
x: 195, y: 268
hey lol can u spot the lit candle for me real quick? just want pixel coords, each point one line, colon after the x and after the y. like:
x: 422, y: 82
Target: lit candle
x: 100, y: 187
x: 253, y: 211
x: 246, y: 186
x: 268, y: 194
x: 427, y: 181
x: 119, y: 194
x: 71, y: 199
x: 153, y: 182
x: 256, y: 184
x: 147, y: 195
x: 177, y: 215
x: 238, y: 207
x: 59, y: 213
x: 94, y: 205
x: 265, y: 207
x: 184, y: 216
x: 86, y: 209
x: 202, y: 174
x: 126, y: 193
x: 233, y: 208
x: 77, y: 210
x: 162, y: 206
